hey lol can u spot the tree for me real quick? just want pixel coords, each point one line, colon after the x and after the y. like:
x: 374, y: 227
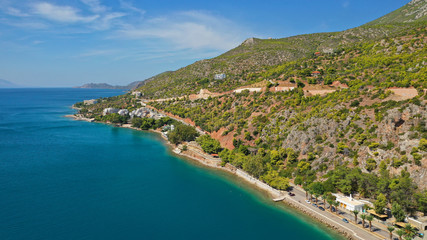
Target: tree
x: 370, y: 218
x: 409, y: 230
x: 273, y: 179
x: 380, y: 204
x: 363, y: 217
x: 421, y: 199
x: 306, y: 192
x: 254, y: 166
x: 244, y: 149
x: 355, y: 212
x: 397, y: 212
x: 400, y: 233
x: 330, y: 202
x: 208, y: 144
x: 390, y: 229
x: 182, y: 133
x: 316, y: 196
x: 336, y: 204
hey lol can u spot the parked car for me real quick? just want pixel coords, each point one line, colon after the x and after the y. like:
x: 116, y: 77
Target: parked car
x: 315, y: 205
x: 345, y: 220
x: 321, y: 208
x: 307, y: 201
x: 291, y: 194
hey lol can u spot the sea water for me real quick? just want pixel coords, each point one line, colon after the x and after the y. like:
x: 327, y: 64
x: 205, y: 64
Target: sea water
x: 67, y: 179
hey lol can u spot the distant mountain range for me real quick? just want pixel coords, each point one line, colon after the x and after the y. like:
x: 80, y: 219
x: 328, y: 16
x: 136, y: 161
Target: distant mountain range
x: 108, y: 86
x: 7, y: 84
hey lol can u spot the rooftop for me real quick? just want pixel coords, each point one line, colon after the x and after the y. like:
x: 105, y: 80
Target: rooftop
x: 348, y: 200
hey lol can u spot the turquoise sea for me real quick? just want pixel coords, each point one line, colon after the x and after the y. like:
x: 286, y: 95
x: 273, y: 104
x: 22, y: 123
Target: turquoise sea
x: 65, y: 179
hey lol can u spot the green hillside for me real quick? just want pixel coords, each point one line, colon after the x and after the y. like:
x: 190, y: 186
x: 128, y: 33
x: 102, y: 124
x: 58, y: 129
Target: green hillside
x: 255, y: 55
x: 361, y: 136
x: 416, y: 10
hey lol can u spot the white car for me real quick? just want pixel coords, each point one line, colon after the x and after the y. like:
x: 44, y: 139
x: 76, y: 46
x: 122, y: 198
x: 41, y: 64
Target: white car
x: 307, y: 201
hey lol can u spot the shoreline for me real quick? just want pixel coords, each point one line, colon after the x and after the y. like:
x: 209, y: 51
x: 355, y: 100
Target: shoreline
x: 195, y: 155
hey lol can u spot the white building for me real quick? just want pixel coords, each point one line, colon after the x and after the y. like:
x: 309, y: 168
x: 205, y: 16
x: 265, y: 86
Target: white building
x: 249, y: 89
x: 219, y: 76
x: 283, y: 89
x: 349, y: 203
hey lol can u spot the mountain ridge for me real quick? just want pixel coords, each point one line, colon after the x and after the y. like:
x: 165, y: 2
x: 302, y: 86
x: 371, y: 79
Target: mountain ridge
x: 255, y: 55
x: 130, y: 86
x: 8, y: 84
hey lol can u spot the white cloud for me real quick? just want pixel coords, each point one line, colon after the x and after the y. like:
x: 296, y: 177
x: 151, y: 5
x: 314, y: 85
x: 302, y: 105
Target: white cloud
x: 37, y: 42
x: 65, y: 14
x: 193, y: 29
x: 16, y: 12
x: 97, y: 52
x: 107, y: 21
x: 95, y: 6
x: 129, y: 6
x: 26, y: 24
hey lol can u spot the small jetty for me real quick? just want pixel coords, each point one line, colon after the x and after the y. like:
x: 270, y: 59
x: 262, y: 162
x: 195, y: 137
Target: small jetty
x: 281, y: 198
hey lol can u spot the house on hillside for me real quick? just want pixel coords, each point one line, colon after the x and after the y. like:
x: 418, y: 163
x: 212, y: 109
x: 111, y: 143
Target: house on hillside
x: 220, y: 76
x: 317, y: 53
x: 283, y: 89
x: 315, y: 73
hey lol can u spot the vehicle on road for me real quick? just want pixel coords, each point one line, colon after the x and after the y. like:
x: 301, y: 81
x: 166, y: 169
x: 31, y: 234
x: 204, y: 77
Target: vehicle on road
x: 307, y: 201
x: 321, y: 208
x: 291, y: 194
x: 345, y: 220
x: 314, y: 205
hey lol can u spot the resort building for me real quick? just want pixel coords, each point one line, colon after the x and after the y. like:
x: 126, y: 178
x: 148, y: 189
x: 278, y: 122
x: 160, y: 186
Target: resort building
x: 349, y: 203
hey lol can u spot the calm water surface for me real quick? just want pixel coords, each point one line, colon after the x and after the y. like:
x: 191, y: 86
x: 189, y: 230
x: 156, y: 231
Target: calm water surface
x: 65, y: 179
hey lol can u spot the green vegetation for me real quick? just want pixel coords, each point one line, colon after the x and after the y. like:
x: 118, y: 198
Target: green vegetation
x: 182, y: 133
x: 208, y: 144
x: 149, y: 123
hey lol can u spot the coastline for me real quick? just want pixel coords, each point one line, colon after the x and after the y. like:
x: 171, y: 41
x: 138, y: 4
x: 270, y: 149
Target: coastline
x: 196, y: 155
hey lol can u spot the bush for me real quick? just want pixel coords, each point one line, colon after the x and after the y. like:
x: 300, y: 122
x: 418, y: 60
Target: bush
x: 371, y: 164
x: 355, y: 103
x: 423, y: 145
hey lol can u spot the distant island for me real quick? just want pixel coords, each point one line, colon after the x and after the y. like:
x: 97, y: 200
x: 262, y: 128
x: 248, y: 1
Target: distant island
x: 8, y: 84
x: 108, y: 86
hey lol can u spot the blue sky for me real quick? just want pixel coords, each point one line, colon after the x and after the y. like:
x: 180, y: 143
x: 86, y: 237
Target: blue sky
x: 59, y: 43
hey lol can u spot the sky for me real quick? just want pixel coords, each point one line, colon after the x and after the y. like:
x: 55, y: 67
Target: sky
x: 66, y: 43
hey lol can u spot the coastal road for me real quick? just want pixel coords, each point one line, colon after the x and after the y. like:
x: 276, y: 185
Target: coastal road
x: 355, y: 230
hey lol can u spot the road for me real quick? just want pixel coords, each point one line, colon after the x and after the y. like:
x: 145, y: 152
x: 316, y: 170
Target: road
x: 380, y: 231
